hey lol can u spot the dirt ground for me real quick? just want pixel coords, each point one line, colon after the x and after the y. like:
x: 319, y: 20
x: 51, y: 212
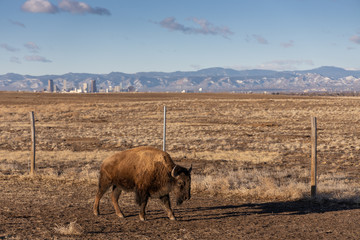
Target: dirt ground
x: 29, y: 212
x: 259, y: 127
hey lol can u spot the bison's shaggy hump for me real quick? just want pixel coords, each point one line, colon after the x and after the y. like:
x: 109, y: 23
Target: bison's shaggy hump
x: 143, y: 157
x: 143, y: 165
x: 147, y: 171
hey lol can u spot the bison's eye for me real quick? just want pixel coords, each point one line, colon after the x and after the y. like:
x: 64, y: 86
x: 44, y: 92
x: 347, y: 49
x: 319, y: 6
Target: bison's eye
x: 180, y: 184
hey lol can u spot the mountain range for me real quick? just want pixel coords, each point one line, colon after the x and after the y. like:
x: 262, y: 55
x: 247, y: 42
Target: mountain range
x: 329, y: 79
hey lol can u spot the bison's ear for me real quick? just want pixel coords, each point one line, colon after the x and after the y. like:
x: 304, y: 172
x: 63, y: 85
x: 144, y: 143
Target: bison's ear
x: 174, y: 173
x: 190, y: 169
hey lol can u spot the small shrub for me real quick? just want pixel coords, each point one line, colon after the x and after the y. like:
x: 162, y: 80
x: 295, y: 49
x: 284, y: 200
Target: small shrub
x: 72, y: 229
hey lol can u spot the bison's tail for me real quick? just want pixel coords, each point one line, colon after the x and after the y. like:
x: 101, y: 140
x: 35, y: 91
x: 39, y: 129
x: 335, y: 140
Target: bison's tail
x: 104, y: 181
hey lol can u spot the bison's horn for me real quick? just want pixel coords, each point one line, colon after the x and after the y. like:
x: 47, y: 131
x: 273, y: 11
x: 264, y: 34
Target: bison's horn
x: 190, y: 168
x: 173, y: 173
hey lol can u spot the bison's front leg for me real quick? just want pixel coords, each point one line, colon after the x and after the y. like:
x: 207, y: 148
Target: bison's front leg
x: 142, y: 209
x: 142, y: 198
x: 166, y: 201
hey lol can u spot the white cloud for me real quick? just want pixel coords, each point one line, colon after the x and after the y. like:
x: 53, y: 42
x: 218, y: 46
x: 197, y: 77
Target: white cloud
x: 8, y: 47
x: 32, y: 47
x: 208, y: 28
x: 196, y: 66
x: 260, y: 39
x: 355, y: 39
x: 36, y: 58
x: 15, y: 60
x: 205, y: 27
x: 20, y: 24
x: 171, y: 24
x: 283, y: 65
x: 288, y: 44
x: 39, y: 6
x: 76, y: 7
x: 278, y: 65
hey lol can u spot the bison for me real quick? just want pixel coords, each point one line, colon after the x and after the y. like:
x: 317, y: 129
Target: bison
x: 148, y: 172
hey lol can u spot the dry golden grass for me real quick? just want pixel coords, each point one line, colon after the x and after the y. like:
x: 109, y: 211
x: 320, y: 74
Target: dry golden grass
x: 233, y: 155
x: 232, y: 178
x: 249, y: 146
x: 71, y: 229
x: 255, y: 185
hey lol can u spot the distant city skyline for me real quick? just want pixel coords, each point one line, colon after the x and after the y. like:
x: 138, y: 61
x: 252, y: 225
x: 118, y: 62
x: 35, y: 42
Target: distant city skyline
x: 323, y: 79
x: 40, y: 37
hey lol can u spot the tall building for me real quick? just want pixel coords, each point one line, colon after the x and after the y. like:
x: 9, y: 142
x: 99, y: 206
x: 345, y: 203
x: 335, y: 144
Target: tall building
x: 117, y: 89
x: 65, y: 86
x: 93, y: 86
x: 85, y: 87
x: 50, y: 85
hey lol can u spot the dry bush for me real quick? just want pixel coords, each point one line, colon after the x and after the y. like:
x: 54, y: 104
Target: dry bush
x: 65, y: 165
x: 336, y: 186
x: 72, y: 229
x: 251, y: 184
x: 264, y: 185
x: 253, y: 157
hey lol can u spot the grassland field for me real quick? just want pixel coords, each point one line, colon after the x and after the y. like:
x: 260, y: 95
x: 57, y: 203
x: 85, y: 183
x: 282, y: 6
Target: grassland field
x: 250, y: 155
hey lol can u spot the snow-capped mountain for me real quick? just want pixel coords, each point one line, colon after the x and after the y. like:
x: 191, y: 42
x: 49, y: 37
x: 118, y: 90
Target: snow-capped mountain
x: 209, y: 80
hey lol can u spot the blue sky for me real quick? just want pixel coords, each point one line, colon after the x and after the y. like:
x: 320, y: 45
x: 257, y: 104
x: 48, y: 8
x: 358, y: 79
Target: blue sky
x: 40, y: 37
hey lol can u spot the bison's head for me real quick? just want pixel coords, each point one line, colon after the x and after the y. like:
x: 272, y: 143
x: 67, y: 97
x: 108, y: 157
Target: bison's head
x: 182, y: 178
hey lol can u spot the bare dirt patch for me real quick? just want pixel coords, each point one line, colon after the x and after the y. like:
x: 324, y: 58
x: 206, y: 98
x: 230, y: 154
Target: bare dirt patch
x: 35, y: 208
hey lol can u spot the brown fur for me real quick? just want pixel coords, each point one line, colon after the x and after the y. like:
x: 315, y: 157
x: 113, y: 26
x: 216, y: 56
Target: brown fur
x: 148, y: 172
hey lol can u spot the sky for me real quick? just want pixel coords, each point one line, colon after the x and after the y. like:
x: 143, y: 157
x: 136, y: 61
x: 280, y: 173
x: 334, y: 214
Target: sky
x: 39, y: 37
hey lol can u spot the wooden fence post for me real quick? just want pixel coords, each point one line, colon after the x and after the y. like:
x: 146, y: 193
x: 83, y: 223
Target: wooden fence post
x: 313, y: 157
x: 164, y: 137
x: 32, y: 164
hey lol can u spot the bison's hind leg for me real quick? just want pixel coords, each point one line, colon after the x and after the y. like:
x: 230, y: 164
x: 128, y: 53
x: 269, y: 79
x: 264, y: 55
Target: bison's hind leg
x: 114, y: 198
x: 142, y: 198
x: 104, y: 184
